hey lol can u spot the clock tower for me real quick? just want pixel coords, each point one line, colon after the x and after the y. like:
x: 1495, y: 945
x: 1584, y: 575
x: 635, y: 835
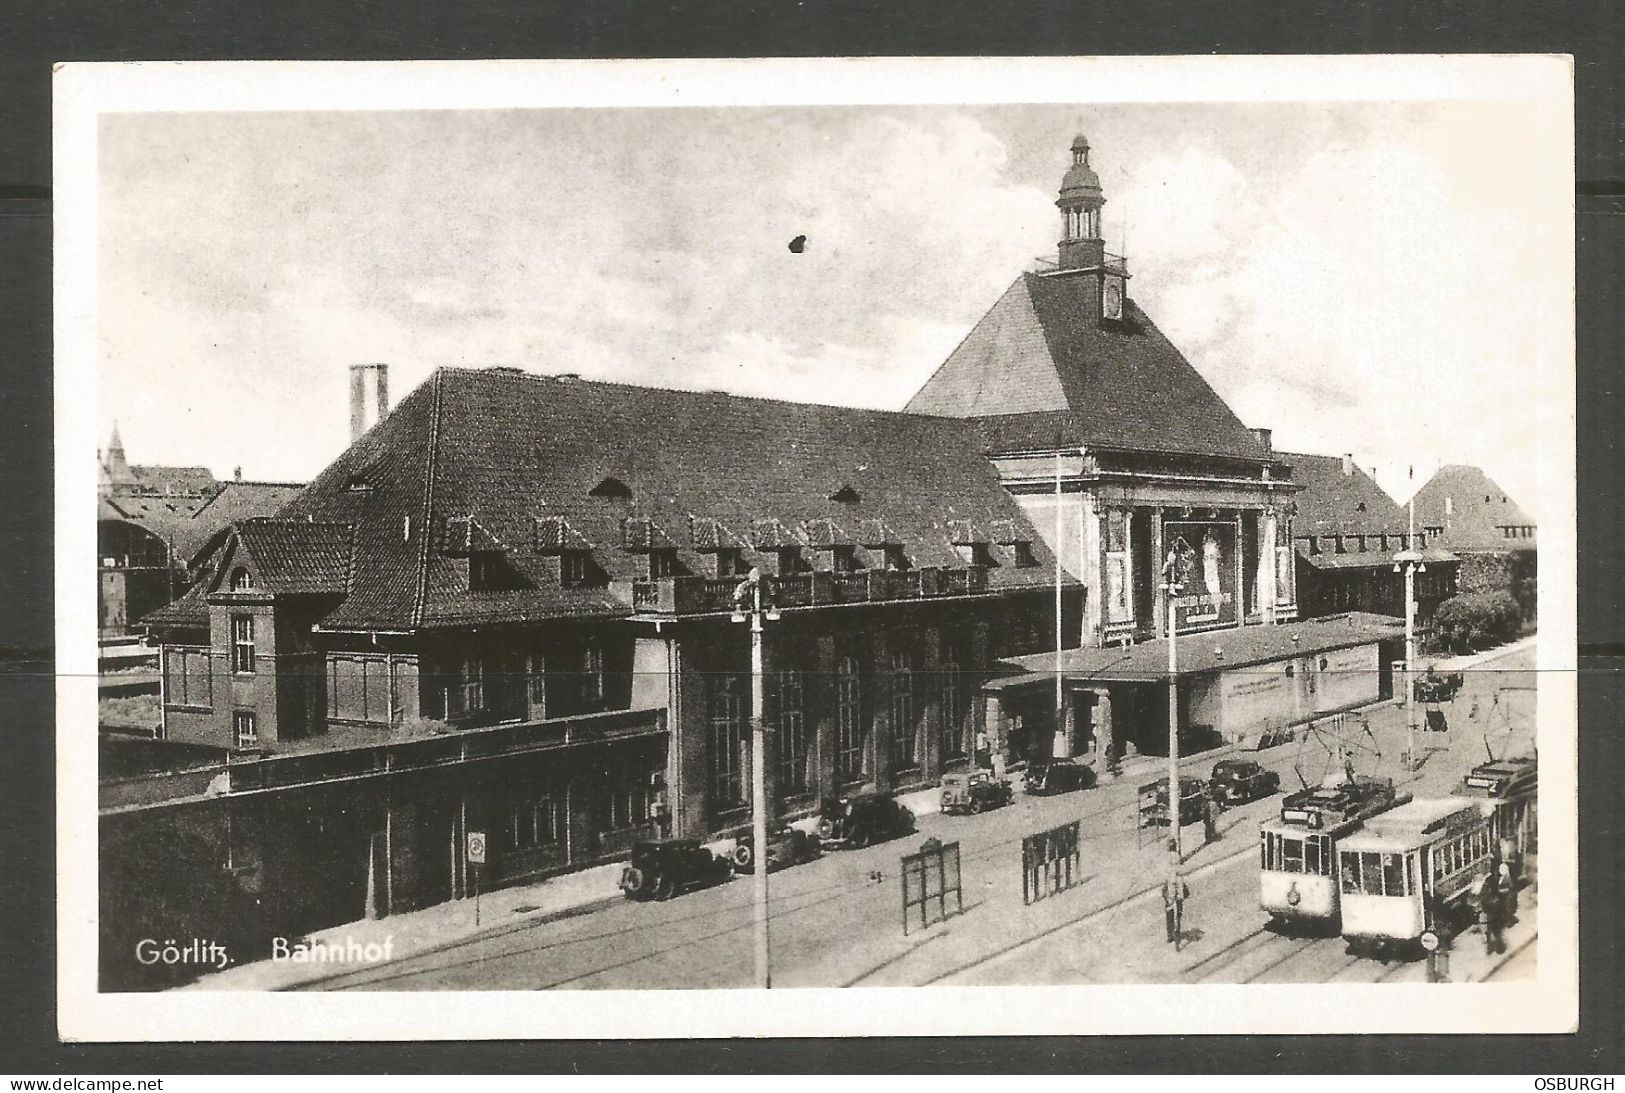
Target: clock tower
x: 1082, y: 250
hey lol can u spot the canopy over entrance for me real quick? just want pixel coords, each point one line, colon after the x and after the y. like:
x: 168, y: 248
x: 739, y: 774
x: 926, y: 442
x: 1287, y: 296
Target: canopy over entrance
x: 1147, y: 661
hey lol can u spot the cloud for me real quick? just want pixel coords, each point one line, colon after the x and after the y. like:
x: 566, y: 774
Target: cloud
x: 1353, y: 277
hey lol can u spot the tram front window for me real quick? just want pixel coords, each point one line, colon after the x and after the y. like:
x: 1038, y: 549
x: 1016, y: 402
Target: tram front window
x: 1351, y: 874
x: 1393, y: 879
x: 1371, y: 873
x: 1291, y: 856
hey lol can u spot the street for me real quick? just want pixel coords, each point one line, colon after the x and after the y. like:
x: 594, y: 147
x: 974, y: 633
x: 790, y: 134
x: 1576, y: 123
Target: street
x: 837, y: 921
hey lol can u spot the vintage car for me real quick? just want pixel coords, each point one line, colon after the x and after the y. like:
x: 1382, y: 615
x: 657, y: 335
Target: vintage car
x: 1237, y: 781
x: 973, y: 791
x: 1192, y: 800
x: 1434, y: 687
x: 862, y: 819
x: 660, y: 868
x: 1047, y: 776
x: 785, y: 847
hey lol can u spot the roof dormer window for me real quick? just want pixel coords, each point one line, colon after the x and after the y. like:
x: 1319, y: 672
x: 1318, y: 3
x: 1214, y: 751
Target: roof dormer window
x: 846, y: 495
x: 611, y: 488
x: 242, y: 580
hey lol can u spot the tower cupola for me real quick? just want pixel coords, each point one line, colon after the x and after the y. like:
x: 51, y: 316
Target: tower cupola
x: 1080, y: 201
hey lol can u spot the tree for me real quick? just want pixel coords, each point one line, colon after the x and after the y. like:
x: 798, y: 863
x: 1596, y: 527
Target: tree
x: 1474, y: 620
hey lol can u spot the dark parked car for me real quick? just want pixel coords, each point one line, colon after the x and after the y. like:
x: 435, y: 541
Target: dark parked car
x: 1436, y: 687
x: 660, y: 868
x: 861, y: 820
x: 973, y: 791
x: 1057, y: 776
x: 786, y: 847
x: 1192, y: 800
x: 1237, y: 781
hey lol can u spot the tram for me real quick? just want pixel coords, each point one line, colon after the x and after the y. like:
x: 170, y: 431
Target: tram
x: 1297, y: 876
x: 1512, y: 786
x: 1411, y: 876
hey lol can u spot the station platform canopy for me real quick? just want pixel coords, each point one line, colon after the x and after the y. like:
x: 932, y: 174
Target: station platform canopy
x: 1201, y: 653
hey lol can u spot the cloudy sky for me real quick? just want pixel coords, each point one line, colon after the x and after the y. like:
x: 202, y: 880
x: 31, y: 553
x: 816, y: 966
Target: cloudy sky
x: 1354, y: 276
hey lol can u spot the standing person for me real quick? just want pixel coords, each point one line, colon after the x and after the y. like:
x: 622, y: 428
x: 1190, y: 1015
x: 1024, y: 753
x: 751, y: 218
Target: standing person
x: 1174, y: 893
x: 984, y: 750
x: 1490, y: 906
x: 1212, y: 809
x: 1507, y: 879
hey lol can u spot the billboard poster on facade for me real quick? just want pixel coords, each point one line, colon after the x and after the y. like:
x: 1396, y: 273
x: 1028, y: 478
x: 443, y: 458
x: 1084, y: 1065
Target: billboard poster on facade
x: 1200, y: 556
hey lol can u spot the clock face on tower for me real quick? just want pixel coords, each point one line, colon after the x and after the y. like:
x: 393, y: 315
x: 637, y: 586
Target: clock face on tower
x: 1112, y: 302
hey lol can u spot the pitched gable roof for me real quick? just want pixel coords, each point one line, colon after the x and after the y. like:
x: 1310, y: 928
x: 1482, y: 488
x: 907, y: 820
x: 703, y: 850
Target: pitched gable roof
x: 518, y: 452
x: 1041, y: 364
x: 1477, y: 511
x: 292, y: 556
x: 1332, y: 503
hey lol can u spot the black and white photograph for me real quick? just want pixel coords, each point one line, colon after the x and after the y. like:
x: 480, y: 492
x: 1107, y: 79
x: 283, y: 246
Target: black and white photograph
x: 781, y: 547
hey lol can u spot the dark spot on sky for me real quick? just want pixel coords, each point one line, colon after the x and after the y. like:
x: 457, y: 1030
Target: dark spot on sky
x: 798, y: 244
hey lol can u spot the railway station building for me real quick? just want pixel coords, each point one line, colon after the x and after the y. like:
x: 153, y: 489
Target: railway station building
x: 508, y: 608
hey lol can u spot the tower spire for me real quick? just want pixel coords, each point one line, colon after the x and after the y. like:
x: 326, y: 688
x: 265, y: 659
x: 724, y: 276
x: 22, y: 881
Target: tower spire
x: 117, y: 469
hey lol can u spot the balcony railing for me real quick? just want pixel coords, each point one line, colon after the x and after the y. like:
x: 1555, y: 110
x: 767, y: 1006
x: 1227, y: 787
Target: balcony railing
x: 706, y: 595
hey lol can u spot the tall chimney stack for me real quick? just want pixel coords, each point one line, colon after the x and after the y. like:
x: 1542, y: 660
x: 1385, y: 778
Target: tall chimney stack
x: 358, y: 397
x: 1348, y: 464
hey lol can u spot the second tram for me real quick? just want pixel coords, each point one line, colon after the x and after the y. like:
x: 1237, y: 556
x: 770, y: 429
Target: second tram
x: 1411, y: 877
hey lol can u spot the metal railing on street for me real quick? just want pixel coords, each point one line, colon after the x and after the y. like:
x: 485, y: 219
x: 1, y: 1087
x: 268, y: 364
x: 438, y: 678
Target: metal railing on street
x: 1050, y: 862
x: 930, y: 880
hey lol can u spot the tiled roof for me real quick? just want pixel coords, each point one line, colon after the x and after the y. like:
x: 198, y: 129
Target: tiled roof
x: 1478, y: 510
x: 171, y: 480
x: 295, y: 556
x: 235, y: 500
x: 1042, y: 366
x: 1333, y: 503
x: 511, y: 449
x: 190, y: 611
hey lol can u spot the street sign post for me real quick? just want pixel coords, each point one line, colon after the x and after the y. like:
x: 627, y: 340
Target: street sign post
x: 476, y: 858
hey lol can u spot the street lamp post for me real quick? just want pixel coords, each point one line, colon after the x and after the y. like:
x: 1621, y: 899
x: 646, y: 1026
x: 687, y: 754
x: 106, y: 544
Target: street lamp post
x: 751, y: 589
x: 1410, y: 563
x: 1175, y: 850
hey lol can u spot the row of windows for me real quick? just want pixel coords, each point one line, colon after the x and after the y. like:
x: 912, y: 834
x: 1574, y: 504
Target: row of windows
x: 857, y: 695
x: 1517, y: 531
x: 473, y: 685
x: 577, y: 568
x: 541, y: 819
x: 1373, y: 874
x: 1462, y: 852
x: 1288, y: 854
x: 1354, y: 544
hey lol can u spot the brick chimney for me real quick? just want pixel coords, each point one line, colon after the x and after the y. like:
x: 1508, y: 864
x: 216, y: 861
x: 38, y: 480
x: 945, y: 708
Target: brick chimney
x: 1348, y: 464
x: 359, y: 422
x: 1266, y: 440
